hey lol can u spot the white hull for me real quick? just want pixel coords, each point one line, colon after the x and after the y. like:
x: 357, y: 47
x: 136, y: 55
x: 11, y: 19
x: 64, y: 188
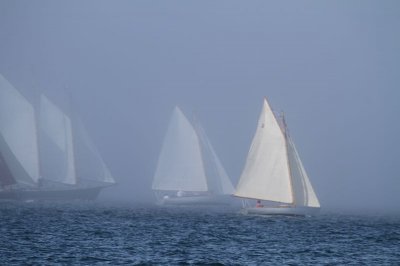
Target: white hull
x: 195, y: 200
x: 297, y: 211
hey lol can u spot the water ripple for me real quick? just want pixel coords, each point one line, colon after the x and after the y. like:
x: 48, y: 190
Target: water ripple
x: 90, y: 234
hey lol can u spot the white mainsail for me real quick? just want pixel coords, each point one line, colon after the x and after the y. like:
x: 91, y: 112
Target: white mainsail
x: 273, y: 170
x: 180, y: 165
x: 56, y: 144
x: 266, y: 175
x: 89, y: 164
x: 18, y: 132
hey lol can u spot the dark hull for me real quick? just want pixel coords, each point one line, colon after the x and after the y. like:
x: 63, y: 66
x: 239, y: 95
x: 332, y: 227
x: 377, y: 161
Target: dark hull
x: 69, y: 194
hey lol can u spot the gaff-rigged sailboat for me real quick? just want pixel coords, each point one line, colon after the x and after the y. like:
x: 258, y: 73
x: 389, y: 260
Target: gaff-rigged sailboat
x: 45, y: 154
x: 188, y: 171
x: 274, y: 175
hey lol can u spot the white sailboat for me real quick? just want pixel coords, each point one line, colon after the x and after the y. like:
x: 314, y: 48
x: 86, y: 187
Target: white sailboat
x: 188, y: 170
x: 274, y: 175
x: 45, y: 155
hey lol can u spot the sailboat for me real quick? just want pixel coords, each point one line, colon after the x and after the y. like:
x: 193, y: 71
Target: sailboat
x: 39, y: 151
x: 189, y: 171
x: 274, y: 175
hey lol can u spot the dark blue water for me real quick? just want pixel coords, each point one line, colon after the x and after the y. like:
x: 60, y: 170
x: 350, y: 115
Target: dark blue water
x: 42, y: 233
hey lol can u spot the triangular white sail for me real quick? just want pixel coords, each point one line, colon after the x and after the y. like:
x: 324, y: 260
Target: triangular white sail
x: 89, y: 164
x: 18, y: 134
x: 56, y: 143
x: 217, y: 178
x: 266, y: 175
x: 180, y: 165
x: 302, y: 188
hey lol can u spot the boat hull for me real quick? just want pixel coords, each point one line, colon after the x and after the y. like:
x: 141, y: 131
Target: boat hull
x: 288, y: 211
x: 52, y: 195
x: 195, y: 200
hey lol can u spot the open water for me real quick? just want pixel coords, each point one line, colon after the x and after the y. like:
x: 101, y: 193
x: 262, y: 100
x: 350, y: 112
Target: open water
x: 96, y: 234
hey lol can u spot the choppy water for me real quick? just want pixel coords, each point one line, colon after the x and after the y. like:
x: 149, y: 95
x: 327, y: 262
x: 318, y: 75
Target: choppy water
x: 39, y: 233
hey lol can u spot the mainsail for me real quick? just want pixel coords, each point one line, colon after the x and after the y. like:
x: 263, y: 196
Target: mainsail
x: 273, y: 169
x: 266, y: 174
x: 180, y: 166
x: 56, y: 144
x: 18, y: 138
x: 188, y: 162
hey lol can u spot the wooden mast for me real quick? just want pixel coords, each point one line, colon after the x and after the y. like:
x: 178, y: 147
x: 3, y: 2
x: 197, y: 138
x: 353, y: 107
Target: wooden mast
x: 285, y: 133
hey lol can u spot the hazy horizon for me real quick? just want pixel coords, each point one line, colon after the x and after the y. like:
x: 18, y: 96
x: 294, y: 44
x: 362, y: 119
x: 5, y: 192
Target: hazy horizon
x: 332, y: 67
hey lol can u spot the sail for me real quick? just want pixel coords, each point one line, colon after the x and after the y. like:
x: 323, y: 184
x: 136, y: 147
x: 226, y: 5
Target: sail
x: 266, y: 174
x: 303, y: 192
x: 18, y: 142
x: 56, y: 144
x: 217, y: 178
x: 6, y: 177
x: 89, y: 164
x: 180, y: 165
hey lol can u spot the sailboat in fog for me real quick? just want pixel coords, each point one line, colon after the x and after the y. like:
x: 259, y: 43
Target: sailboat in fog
x: 44, y: 154
x: 188, y: 171
x: 274, y: 175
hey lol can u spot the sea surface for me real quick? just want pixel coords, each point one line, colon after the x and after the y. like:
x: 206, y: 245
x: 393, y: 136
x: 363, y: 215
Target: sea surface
x: 111, y: 234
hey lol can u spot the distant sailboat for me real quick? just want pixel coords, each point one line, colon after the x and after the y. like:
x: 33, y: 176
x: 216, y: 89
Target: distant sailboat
x: 274, y: 174
x: 188, y: 170
x: 41, y: 152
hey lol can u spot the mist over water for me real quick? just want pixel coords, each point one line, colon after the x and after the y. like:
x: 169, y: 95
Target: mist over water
x: 332, y: 67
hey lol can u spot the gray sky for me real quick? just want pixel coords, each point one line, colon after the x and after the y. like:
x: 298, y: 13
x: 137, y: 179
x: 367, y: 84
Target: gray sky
x: 333, y: 67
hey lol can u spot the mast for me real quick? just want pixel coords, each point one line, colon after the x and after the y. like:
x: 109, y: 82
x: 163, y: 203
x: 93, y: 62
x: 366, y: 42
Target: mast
x: 37, y: 123
x: 36, y: 104
x: 285, y: 133
x: 73, y: 124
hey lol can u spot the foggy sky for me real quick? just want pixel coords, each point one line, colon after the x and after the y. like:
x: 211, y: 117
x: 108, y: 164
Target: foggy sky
x: 333, y: 67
